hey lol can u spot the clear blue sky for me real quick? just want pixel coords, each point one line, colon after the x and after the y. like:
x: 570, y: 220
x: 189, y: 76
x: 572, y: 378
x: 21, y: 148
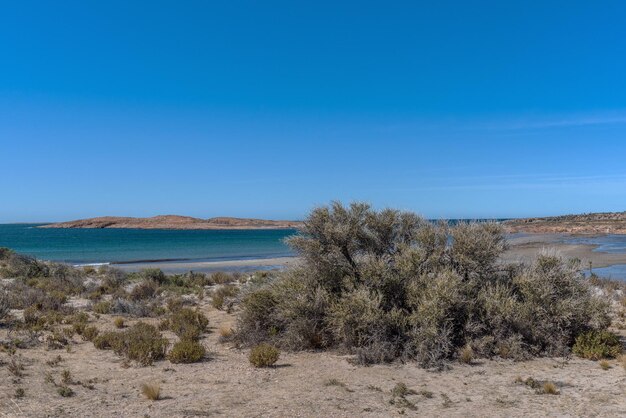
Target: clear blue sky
x: 264, y: 108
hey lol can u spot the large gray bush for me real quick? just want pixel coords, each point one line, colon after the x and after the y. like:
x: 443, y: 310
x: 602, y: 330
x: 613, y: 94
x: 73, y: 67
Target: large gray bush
x: 388, y: 285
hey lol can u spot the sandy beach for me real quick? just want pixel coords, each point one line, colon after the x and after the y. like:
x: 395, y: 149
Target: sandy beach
x: 177, y: 267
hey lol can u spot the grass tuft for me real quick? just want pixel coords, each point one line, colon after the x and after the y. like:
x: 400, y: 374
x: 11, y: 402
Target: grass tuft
x: 151, y: 391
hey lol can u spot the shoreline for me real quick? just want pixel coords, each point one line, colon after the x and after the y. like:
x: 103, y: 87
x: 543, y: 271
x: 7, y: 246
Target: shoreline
x: 521, y: 249
x: 526, y: 247
x: 251, y: 264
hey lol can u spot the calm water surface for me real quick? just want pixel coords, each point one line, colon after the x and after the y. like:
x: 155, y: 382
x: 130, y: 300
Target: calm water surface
x: 83, y: 246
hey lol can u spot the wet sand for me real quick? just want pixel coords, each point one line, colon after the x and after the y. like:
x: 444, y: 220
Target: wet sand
x: 177, y: 267
x: 525, y: 248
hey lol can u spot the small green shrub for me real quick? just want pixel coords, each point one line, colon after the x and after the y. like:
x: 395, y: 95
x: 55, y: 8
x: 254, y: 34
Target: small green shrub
x: 103, y: 307
x: 154, y: 275
x: 186, y: 351
x: 89, y: 333
x: 264, y: 355
x: 596, y: 345
x: 141, y: 342
x: 187, y: 323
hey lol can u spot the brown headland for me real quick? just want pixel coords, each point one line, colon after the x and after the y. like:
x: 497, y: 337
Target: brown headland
x: 174, y: 222
x: 588, y: 223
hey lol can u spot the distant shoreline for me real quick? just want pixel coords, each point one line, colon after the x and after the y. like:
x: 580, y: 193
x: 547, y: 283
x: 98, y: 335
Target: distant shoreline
x: 174, y: 222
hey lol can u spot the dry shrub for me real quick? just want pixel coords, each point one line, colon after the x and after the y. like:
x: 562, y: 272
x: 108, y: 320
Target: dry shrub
x: 549, y: 388
x: 389, y: 285
x: 187, y: 323
x: 225, y: 331
x: 103, y: 307
x: 596, y: 345
x: 151, y: 391
x: 264, y: 355
x: 146, y: 289
x: 65, y: 391
x: 118, y: 322
x: 89, y: 333
x: 186, y: 351
x: 604, y: 365
x: 4, y: 304
x: 221, y: 295
x: 466, y: 355
x: 141, y: 342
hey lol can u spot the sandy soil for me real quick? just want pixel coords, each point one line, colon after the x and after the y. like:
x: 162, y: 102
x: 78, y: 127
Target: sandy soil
x: 302, y: 385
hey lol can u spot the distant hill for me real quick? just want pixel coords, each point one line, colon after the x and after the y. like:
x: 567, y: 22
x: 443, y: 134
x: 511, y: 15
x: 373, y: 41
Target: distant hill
x: 589, y: 223
x: 174, y: 222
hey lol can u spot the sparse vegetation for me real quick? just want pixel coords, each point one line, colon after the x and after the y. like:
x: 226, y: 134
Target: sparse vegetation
x: 118, y: 322
x: 549, y: 388
x: 186, y: 323
x: 65, y: 391
x: 388, y: 285
x: 596, y: 345
x: 151, y: 391
x: 264, y: 355
x: 604, y: 365
x: 222, y: 294
x: 141, y: 342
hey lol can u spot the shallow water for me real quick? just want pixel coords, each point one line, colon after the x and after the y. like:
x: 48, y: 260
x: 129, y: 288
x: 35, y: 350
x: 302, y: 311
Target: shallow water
x: 91, y: 246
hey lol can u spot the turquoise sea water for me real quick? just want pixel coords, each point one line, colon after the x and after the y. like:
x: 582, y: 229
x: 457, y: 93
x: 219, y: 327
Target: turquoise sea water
x: 85, y: 246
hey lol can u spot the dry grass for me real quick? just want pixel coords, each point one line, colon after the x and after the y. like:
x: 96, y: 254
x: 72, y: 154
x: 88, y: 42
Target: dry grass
x: 466, y: 355
x: 622, y: 361
x: 118, y: 322
x: 151, y: 391
x: 604, y: 365
x: 66, y: 377
x: 550, y: 388
x: 225, y: 331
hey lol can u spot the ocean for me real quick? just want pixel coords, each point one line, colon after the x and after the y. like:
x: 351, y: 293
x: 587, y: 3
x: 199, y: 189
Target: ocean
x: 95, y: 246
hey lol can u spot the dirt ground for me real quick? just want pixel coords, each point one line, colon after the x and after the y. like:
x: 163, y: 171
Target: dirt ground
x: 309, y: 384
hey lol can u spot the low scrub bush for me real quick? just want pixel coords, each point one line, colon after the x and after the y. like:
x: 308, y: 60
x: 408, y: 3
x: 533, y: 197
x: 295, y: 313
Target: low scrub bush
x: 141, y: 342
x: 264, y: 355
x: 103, y: 307
x: 596, y: 345
x: 389, y: 285
x: 186, y: 351
x: 221, y: 295
x: 146, y: 289
x: 187, y: 323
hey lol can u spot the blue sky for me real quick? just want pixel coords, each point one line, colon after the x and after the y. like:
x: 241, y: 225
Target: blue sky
x: 241, y: 108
